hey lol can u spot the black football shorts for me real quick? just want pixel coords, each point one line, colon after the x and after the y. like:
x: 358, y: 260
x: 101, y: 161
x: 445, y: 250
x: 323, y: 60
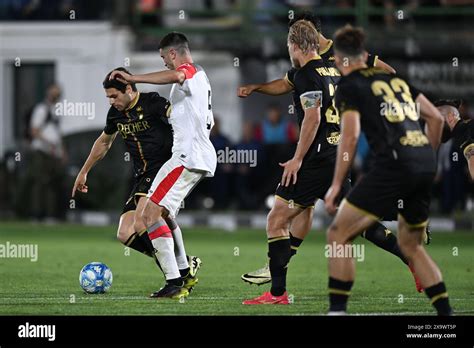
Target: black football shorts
x: 313, y: 181
x: 383, y: 191
x: 141, y: 185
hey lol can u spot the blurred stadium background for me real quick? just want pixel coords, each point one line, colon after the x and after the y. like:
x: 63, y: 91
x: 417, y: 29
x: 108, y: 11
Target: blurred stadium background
x: 74, y: 43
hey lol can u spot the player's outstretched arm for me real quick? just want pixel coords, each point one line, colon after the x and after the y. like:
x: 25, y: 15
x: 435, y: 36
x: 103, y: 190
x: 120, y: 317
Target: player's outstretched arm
x: 98, y: 151
x: 164, y: 77
x: 382, y: 65
x: 434, y: 120
x: 275, y: 87
x: 350, y: 131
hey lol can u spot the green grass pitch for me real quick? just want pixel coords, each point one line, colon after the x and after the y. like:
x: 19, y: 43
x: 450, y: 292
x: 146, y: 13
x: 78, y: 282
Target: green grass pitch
x: 50, y: 286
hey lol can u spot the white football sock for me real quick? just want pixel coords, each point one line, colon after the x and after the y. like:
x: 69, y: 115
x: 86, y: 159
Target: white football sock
x: 179, y: 250
x: 162, y: 240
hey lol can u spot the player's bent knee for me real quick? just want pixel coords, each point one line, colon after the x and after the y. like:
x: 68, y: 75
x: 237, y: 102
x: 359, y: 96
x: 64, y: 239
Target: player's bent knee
x: 139, y: 225
x: 123, y: 235
x: 151, y: 213
x: 409, y: 246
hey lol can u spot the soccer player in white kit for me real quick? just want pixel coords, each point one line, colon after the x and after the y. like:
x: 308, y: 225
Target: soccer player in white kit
x: 193, y: 155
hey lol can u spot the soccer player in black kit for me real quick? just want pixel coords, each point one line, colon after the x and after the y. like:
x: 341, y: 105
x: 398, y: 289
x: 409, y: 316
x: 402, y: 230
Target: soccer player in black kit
x: 301, y: 224
x: 141, y: 120
x: 308, y: 175
x: 383, y: 107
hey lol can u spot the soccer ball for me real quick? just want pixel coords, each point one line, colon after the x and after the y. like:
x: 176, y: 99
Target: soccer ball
x: 95, y: 278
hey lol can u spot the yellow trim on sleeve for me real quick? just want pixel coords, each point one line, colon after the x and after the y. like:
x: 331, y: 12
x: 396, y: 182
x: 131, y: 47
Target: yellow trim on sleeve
x: 327, y: 48
x: 288, y: 80
x: 376, y: 58
x: 467, y: 149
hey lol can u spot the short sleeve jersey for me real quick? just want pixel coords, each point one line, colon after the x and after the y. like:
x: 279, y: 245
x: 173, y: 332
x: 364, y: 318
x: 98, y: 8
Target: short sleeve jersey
x: 388, y: 117
x: 144, y: 129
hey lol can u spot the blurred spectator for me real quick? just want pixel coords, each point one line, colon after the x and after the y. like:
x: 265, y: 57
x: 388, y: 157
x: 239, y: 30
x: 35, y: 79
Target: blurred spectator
x: 274, y: 129
x: 248, y: 175
x: 47, y: 166
x: 278, y: 137
x: 220, y: 183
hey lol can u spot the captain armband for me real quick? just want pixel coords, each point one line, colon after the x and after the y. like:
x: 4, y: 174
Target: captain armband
x: 312, y: 99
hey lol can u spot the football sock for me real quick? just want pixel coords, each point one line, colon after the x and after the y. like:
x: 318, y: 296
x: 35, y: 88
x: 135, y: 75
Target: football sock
x: 279, y: 252
x: 382, y: 237
x: 439, y: 298
x: 179, y: 250
x: 339, y: 293
x: 295, y: 244
x: 137, y: 243
x: 184, y: 272
x: 176, y: 281
x: 162, y: 240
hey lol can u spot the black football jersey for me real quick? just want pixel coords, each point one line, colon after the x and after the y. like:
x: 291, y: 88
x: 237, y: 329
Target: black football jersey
x: 463, y: 137
x: 145, y: 130
x: 328, y: 57
x: 388, y: 117
x: 314, y: 76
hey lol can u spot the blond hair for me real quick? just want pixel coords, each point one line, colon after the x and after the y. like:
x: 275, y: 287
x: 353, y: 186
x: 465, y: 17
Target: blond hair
x: 303, y: 33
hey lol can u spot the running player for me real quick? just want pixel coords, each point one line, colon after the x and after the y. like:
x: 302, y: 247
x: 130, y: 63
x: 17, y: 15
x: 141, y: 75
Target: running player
x: 301, y: 225
x: 461, y: 131
x: 141, y: 120
x: 383, y: 107
x: 193, y: 155
x: 308, y: 174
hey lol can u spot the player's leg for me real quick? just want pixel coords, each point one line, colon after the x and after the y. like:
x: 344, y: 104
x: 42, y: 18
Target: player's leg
x: 169, y: 188
x: 349, y: 222
x: 382, y: 237
x: 188, y: 265
x: 412, y: 221
x: 279, y: 251
x: 127, y: 232
x: 162, y: 241
x: 411, y: 243
x: 300, y: 227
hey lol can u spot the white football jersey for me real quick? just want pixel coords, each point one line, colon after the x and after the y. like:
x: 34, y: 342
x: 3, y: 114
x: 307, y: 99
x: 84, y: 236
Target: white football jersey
x: 192, y: 120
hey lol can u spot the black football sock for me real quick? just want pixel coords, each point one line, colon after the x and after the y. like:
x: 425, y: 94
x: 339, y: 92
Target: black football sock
x: 175, y: 281
x: 136, y: 243
x: 295, y: 244
x: 439, y: 298
x: 184, y: 272
x: 339, y: 292
x: 382, y: 237
x: 140, y: 241
x: 279, y: 253
x: 143, y: 235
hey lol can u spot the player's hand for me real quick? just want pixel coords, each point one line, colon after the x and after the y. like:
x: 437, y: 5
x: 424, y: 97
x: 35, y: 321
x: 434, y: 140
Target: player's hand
x: 80, y: 184
x: 330, y: 199
x: 290, y: 171
x: 121, y: 76
x: 245, y: 91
